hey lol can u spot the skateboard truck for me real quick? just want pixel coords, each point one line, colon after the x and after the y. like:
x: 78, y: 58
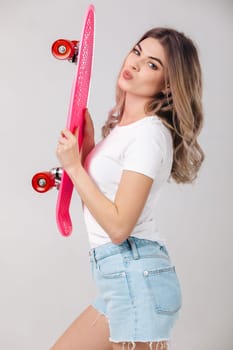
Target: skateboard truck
x: 63, y: 49
x: 44, y: 181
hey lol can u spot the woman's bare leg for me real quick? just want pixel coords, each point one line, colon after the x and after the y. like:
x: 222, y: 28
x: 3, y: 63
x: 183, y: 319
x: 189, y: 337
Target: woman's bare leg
x: 90, y: 331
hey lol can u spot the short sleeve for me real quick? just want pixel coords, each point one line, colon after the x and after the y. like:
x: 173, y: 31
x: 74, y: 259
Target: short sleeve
x: 145, y: 154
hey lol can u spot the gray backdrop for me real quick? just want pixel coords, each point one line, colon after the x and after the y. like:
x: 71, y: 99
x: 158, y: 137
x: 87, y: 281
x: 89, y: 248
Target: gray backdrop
x: 45, y: 279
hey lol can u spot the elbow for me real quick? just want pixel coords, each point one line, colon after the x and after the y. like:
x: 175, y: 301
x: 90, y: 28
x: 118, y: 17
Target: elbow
x: 119, y: 236
x: 117, y: 240
x: 119, y: 228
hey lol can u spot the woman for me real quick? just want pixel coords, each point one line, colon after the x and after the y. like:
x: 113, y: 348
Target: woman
x: 149, y: 137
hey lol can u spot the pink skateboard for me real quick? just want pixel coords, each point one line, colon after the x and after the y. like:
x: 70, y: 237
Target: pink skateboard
x: 80, y: 53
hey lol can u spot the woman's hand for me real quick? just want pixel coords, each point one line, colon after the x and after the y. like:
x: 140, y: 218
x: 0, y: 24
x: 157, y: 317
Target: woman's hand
x: 68, y: 151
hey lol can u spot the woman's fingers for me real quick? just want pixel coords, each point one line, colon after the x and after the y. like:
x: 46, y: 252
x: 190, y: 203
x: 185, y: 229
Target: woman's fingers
x: 67, y: 149
x: 67, y: 135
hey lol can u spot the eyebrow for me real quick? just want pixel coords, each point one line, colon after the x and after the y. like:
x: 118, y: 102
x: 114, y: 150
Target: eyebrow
x: 153, y: 58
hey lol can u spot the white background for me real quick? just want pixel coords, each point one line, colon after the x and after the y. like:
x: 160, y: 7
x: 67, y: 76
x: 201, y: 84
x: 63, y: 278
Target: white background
x: 45, y: 279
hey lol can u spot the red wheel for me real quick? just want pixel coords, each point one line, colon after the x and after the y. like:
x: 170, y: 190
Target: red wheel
x: 63, y: 49
x: 42, y: 182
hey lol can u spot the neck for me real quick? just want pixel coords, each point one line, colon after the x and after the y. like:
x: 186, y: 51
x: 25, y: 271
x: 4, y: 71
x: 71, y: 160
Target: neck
x: 134, y: 109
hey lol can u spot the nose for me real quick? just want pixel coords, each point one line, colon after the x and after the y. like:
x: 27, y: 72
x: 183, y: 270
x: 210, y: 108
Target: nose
x: 135, y: 66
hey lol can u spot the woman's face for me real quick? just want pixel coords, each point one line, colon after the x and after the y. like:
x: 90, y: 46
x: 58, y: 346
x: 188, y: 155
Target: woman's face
x: 143, y: 71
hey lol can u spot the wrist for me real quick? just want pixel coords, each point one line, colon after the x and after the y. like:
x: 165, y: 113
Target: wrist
x: 72, y: 170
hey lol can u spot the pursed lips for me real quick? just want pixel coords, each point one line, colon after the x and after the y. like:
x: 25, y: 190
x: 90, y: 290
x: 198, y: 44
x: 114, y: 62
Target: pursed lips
x: 127, y: 75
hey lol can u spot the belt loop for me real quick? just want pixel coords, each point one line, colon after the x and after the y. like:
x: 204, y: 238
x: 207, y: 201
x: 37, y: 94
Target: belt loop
x: 133, y: 248
x: 92, y: 254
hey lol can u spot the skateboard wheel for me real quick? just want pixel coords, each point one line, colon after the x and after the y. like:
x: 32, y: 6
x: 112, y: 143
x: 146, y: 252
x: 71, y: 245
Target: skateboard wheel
x: 42, y: 182
x: 64, y: 49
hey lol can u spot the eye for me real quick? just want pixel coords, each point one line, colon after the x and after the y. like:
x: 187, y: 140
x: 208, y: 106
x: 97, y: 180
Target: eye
x: 152, y: 66
x: 136, y: 51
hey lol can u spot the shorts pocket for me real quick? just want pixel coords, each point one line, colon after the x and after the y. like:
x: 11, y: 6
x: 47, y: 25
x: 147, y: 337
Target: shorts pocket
x: 113, y: 288
x: 164, y: 289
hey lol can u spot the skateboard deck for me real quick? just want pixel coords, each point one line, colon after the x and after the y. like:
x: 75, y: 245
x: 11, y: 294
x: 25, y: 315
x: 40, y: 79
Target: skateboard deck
x: 43, y: 181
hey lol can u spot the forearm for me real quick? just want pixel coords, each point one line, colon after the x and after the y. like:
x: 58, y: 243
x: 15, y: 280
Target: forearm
x: 104, y: 210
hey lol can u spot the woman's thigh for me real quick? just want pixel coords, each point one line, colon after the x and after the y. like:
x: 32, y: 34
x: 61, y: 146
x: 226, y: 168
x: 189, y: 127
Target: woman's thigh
x: 90, y: 331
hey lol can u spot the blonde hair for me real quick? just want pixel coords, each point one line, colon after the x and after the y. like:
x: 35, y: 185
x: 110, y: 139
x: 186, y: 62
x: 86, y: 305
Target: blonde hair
x: 180, y: 109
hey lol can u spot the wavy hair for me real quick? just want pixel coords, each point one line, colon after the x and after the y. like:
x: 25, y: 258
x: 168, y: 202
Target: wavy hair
x: 180, y: 109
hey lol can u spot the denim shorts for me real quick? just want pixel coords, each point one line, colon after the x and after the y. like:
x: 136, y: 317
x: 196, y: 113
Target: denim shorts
x: 139, y: 291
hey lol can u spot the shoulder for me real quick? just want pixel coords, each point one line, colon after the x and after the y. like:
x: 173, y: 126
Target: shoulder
x: 146, y: 150
x: 148, y: 134
x: 152, y: 131
x: 148, y: 126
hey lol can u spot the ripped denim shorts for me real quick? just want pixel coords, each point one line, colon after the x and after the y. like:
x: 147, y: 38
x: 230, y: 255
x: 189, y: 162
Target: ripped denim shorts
x: 139, y: 291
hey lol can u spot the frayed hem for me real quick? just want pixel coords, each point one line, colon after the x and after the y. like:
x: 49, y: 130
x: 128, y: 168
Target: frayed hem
x: 162, y: 344
x: 139, y: 340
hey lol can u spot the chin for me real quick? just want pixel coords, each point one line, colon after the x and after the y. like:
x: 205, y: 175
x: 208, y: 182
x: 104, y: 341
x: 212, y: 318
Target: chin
x: 121, y: 84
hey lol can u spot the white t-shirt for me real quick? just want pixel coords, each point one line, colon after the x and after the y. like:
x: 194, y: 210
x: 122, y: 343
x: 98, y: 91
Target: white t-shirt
x: 144, y: 146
